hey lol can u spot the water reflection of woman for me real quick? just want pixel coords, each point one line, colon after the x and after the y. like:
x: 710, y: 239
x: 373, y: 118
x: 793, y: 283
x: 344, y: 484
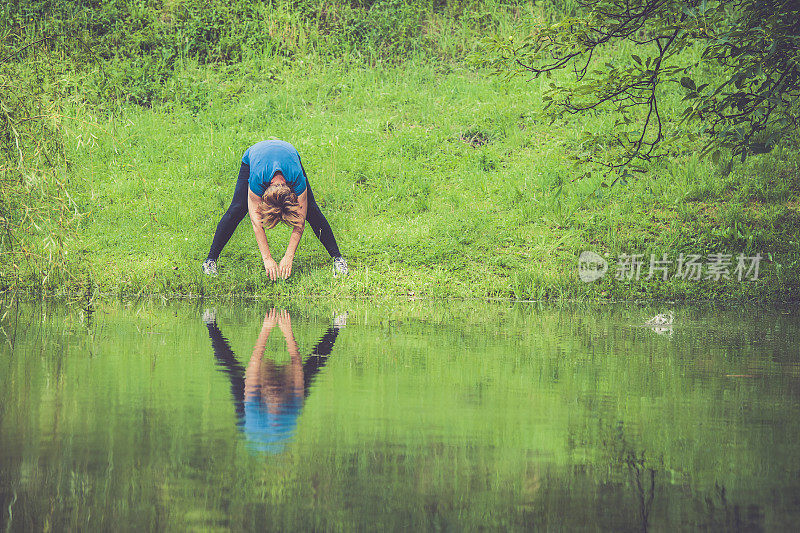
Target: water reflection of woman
x: 268, y: 397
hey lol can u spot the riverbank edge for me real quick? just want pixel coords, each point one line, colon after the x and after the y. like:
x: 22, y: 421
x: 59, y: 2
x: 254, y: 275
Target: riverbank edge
x: 361, y: 286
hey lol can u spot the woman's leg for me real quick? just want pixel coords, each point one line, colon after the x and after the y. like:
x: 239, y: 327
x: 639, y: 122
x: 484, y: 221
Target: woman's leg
x: 230, y: 365
x: 318, y: 357
x: 235, y: 213
x: 320, y: 226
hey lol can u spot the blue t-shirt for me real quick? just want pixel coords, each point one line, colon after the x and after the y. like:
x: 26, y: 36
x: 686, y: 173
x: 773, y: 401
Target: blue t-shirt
x: 268, y: 157
x: 270, y: 431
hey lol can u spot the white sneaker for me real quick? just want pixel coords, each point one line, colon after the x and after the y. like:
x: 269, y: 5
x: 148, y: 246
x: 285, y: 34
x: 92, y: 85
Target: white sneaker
x: 210, y: 267
x: 210, y: 316
x: 339, y: 267
x: 340, y: 320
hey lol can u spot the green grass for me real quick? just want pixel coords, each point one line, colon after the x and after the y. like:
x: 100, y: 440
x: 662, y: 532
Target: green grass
x: 439, y: 181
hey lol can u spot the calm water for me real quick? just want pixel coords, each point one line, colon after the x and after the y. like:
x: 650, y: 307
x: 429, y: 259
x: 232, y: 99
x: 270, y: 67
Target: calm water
x: 149, y: 416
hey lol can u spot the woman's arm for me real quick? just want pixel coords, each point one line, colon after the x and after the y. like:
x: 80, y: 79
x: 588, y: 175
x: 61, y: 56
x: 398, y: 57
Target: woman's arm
x: 285, y: 268
x: 252, y: 380
x: 261, y: 238
x: 285, y: 323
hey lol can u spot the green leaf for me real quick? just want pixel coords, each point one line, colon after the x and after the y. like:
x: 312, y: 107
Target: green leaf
x: 728, y: 167
x: 637, y: 58
x: 688, y: 83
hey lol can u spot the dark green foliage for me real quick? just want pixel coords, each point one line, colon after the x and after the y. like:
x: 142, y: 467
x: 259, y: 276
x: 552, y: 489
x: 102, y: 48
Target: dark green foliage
x: 742, y: 89
x: 141, y: 43
x: 35, y: 215
x: 757, y: 45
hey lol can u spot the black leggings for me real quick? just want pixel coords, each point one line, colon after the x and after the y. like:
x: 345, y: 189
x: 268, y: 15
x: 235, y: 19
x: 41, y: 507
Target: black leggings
x: 238, y: 210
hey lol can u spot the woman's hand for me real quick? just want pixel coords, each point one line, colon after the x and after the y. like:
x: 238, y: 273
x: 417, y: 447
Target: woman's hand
x: 272, y: 268
x: 285, y: 321
x: 270, y: 319
x: 285, y: 268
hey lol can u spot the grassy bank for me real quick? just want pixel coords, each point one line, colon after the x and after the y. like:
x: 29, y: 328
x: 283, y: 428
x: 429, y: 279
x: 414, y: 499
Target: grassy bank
x: 438, y: 180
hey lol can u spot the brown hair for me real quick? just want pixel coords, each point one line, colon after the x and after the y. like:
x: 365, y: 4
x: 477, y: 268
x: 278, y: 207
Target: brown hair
x: 278, y: 204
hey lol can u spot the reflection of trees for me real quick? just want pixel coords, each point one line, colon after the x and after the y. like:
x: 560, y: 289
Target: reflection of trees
x: 645, y: 483
x: 624, y: 456
x: 722, y: 515
x: 645, y: 489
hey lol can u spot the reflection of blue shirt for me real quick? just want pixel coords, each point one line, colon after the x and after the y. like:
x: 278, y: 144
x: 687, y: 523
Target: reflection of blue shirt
x: 268, y: 157
x: 266, y: 431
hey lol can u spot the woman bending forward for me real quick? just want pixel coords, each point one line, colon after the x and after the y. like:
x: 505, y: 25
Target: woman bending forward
x: 273, y: 187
